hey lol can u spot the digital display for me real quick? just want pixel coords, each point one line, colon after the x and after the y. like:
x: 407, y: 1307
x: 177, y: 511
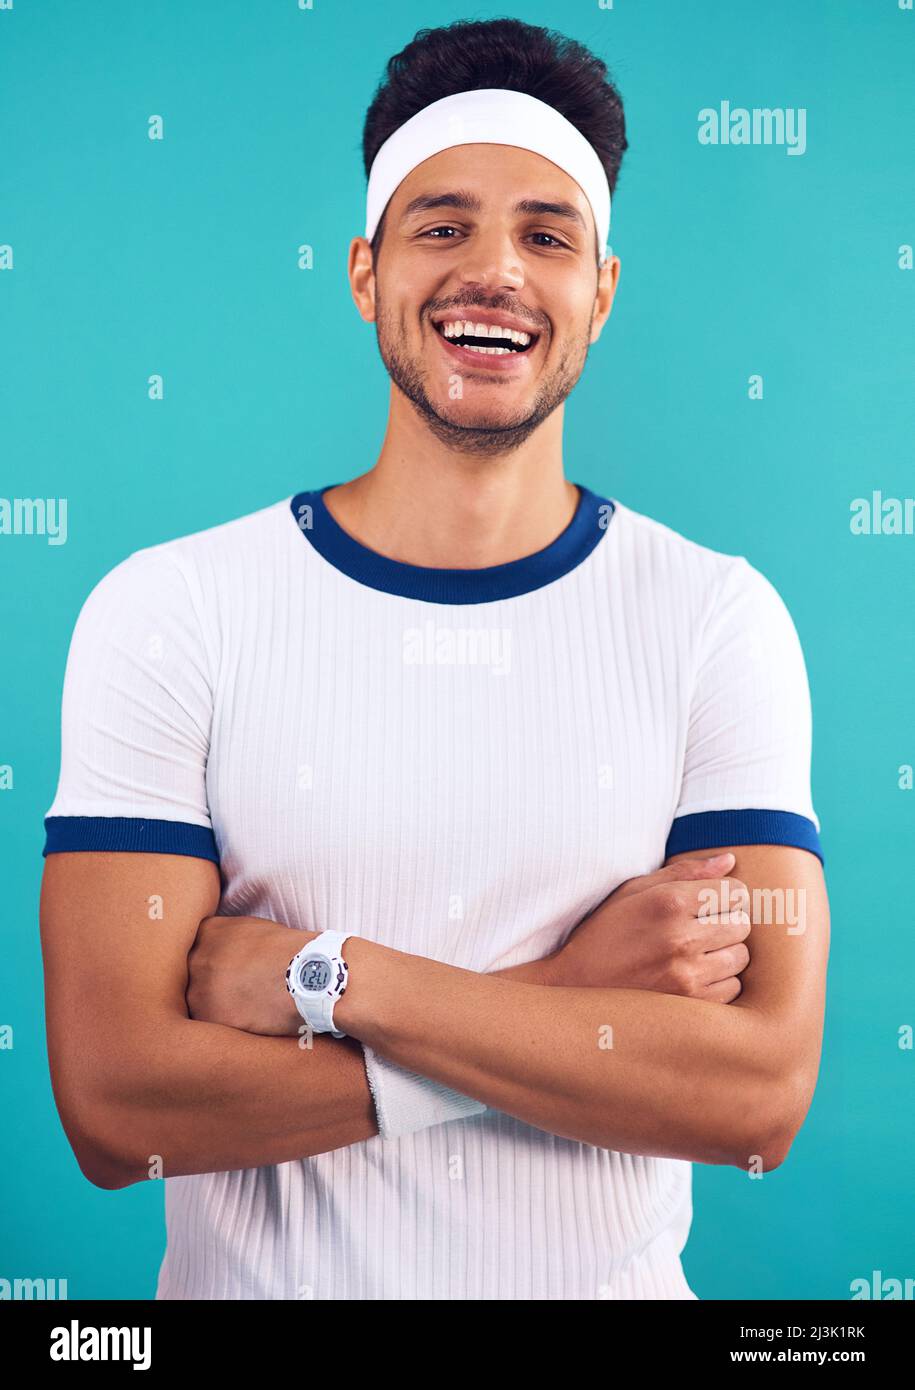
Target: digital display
x: 314, y: 975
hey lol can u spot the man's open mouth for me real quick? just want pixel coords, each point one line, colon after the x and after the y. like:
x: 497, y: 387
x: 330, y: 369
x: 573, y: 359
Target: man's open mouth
x: 487, y: 339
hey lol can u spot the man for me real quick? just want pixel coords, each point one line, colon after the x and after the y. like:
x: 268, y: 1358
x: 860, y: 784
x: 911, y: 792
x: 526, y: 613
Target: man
x: 355, y: 923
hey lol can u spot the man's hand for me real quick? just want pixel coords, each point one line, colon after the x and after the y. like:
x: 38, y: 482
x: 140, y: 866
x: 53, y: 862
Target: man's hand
x: 663, y: 932
x: 237, y: 974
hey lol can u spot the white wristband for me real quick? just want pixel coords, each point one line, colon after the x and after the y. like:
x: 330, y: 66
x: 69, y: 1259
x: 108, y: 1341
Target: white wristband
x: 406, y: 1102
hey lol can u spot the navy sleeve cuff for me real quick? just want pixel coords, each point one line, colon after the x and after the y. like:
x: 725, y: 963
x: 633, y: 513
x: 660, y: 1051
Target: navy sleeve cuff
x: 67, y: 833
x: 707, y: 829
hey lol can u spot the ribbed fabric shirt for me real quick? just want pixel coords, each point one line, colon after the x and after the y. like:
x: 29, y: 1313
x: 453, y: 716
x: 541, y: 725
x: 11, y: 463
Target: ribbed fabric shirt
x: 461, y: 764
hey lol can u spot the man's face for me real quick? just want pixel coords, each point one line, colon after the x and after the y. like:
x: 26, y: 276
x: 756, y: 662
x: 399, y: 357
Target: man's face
x: 477, y: 239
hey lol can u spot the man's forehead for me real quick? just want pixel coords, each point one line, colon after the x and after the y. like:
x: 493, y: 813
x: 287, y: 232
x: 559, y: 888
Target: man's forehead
x: 474, y: 177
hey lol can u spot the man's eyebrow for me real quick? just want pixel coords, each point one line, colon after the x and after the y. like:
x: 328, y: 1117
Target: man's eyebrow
x: 535, y: 207
x: 469, y: 202
x: 427, y: 202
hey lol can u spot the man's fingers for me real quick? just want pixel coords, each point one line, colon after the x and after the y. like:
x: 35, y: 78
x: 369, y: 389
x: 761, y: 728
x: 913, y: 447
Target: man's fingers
x: 708, y: 866
x: 682, y: 871
x: 725, y: 930
x: 725, y: 964
x: 723, y: 992
x: 729, y: 895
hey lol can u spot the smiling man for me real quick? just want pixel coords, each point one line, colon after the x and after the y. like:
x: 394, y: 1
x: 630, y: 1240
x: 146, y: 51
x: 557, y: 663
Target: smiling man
x: 410, y: 880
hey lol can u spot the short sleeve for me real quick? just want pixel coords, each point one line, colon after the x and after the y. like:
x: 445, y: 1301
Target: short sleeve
x: 746, y: 774
x: 136, y: 718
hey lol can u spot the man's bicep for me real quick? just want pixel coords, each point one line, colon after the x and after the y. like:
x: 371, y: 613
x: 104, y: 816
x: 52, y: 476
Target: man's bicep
x: 116, y: 929
x: 785, y: 981
x: 115, y: 932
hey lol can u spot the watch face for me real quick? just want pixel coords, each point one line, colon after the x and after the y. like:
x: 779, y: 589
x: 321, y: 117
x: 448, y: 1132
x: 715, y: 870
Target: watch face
x: 314, y: 974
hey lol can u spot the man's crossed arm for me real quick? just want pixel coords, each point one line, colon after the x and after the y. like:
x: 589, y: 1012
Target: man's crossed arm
x: 621, y: 1068
x: 653, y: 1065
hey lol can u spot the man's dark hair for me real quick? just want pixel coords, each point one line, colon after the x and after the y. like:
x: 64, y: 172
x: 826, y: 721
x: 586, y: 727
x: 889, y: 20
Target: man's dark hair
x: 471, y: 54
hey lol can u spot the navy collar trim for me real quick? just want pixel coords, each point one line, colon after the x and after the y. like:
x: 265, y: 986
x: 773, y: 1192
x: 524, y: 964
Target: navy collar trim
x: 573, y: 545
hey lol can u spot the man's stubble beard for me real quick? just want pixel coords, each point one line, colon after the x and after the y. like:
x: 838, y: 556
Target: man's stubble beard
x: 482, y: 438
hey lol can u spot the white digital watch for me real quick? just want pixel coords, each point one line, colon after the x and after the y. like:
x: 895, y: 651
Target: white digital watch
x: 316, y: 979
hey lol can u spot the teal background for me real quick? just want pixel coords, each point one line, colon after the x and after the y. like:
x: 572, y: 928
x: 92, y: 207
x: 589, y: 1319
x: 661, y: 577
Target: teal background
x: 135, y: 257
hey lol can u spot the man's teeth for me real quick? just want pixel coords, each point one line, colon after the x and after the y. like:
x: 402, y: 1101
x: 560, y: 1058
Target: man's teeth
x: 462, y: 328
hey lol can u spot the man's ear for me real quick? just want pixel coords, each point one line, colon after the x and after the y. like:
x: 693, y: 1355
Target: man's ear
x: 362, y: 277
x: 608, y: 276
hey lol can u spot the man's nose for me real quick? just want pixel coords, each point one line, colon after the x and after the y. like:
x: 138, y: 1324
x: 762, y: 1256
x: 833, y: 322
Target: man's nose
x: 492, y: 262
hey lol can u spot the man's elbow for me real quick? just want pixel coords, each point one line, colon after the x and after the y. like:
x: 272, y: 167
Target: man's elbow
x: 776, y: 1150
x: 96, y: 1134
x: 760, y: 1152
x: 775, y: 1125
x: 101, y: 1169
x: 100, y: 1162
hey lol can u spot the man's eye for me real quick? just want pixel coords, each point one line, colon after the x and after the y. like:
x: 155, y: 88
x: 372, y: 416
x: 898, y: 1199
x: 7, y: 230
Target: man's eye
x: 448, y: 232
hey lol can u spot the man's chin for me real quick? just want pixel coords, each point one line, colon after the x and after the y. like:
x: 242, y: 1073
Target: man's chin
x: 469, y: 427
x: 482, y: 434
x: 480, y: 421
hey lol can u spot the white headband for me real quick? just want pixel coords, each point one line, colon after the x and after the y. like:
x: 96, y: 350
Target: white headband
x: 489, y: 116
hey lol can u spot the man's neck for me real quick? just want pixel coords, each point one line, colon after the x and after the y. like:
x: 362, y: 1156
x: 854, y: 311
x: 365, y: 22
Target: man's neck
x: 424, y: 504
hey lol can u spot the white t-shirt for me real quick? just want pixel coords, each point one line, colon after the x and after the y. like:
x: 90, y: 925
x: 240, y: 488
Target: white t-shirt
x: 457, y: 763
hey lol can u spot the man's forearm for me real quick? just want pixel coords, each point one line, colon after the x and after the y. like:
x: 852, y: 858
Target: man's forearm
x: 192, y: 1097
x: 183, y: 1096
x: 624, y: 1069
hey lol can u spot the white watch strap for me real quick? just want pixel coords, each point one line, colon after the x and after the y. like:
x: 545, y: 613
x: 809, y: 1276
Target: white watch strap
x: 318, y: 1009
x: 406, y: 1102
